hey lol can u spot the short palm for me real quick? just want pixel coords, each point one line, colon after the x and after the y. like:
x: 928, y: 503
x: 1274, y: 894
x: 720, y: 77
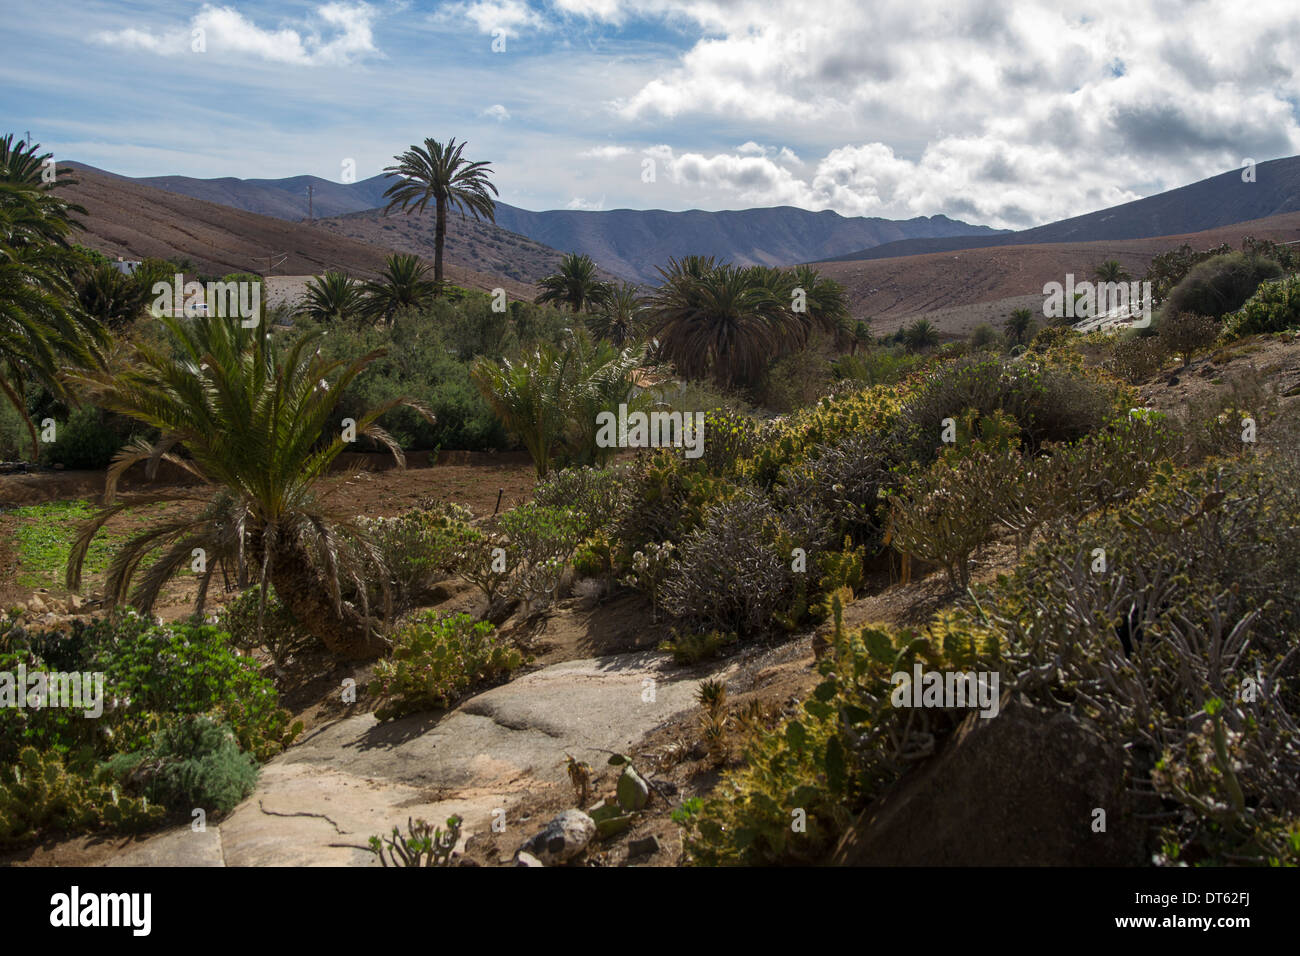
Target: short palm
x: 257, y: 426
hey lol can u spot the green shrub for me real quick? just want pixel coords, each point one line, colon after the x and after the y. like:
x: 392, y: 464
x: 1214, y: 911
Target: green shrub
x: 436, y: 659
x: 417, y: 548
x: 1050, y: 401
x: 183, y: 668
x: 278, y: 631
x: 1221, y: 284
x: 86, y: 441
x: 1185, y: 334
x: 539, y: 541
x: 692, y: 647
x: 589, y: 494
x: 191, y: 762
x: 734, y: 571
x: 1137, y: 359
x: 840, y: 749
x: 942, y: 514
x: 1274, y: 307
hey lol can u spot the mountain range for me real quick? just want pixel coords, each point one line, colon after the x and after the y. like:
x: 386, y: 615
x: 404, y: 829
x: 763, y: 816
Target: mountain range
x: 1269, y: 189
x: 629, y: 243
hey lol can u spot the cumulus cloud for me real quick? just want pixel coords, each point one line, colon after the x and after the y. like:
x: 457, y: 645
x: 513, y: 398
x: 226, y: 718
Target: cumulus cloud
x: 496, y: 17
x: 339, y: 33
x: 497, y: 112
x: 577, y: 202
x: 1016, y: 114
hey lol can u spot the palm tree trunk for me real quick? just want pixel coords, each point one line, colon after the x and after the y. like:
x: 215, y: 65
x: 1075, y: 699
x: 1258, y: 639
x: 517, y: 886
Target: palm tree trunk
x: 348, y: 634
x: 439, y: 237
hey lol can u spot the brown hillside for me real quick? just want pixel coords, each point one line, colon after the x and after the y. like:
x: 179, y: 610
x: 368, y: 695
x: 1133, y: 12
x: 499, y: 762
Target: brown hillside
x: 134, y: 221
x: 481, y: 246
x: 956, y: 290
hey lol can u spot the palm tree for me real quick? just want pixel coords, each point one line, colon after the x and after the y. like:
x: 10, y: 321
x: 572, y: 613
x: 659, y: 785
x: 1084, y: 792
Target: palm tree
x: 575, y: 283
x: 439, y: 173
x: 403, y: 285
x: 1019, y: 327
x: 112, y: 298
x: 529, y: 396
x: 334, y: 297
x: 551, y: 397
x: 716, y: 321
x: 1111, y: 271
x: 920, y: 335
x: 258, y: 428
x: 619, y: 317
x: 42, y: 327
x: 826, y: 301
x: 859, y: 335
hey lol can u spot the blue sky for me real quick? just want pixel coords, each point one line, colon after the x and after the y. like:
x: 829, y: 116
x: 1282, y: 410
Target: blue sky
x: 1009, y: 114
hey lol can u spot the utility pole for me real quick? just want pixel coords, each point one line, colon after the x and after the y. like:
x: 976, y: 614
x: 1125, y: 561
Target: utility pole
x: 310, y: 214
x: 272, y: 262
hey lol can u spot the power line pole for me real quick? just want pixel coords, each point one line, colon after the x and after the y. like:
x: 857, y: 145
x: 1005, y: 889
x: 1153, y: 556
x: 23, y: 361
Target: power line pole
x: 310, y: 214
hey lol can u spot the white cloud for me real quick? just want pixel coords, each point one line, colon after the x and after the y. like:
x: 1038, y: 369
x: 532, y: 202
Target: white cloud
x: 497, y: 112
x: 577, y: 202
x: 510, y: 17
x: 1012, y: 114
x: 218, y: 31
x: 605, y: 152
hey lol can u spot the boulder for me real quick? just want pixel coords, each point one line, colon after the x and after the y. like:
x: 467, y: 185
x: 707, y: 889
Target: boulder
x: 1019, y: 789
x: 564, y: 837
x: 527, y: 859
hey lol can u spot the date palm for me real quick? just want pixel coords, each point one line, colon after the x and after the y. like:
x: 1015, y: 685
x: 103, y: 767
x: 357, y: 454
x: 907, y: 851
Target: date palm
x: 404, y: 284
x: 619, y: 317
x: 112, y: 298
x: 42, y: 327
x: 256, y: 425
x: 920, y: 335
x: 716, y: 321
x: 439, y: 173
x: 1019, y: 327
x: 576, y: 283
x: 1111, y: 271
x: 826, y: 302
x: 334, y: 297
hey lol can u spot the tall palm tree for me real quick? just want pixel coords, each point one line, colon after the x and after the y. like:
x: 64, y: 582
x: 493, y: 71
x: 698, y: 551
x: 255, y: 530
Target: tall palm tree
x: 334, y: 297
x: 576, y: 283
x: 1019, y: 327
x: 403, y: 285
x: 620, y: 315
x: 716, y: 322
x: 257, y: 426
x: 439, y: 173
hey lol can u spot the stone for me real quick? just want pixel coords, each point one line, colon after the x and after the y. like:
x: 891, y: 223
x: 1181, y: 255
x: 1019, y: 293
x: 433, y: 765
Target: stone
x: 566, y: 836
x: 36, y: 605
x: 1018, y: 789
x: 646, y: 846
x: 527, y: 859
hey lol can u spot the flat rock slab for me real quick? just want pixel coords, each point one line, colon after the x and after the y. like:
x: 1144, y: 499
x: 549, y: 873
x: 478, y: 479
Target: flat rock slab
x: 318, y: 803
